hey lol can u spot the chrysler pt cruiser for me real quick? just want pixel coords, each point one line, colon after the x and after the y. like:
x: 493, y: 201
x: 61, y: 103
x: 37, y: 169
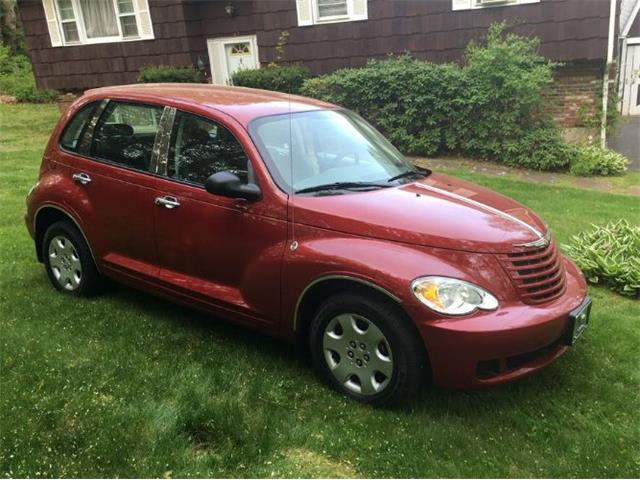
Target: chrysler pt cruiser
x: 297, y: 218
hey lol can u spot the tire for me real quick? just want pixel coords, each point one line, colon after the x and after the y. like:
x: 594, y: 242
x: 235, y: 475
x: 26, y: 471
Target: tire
x: 387, y: 364
x: 68, y: 260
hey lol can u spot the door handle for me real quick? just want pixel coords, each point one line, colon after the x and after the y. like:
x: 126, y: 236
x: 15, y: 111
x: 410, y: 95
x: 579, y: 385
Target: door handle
x: 167, y: 202
x: 81, y: 178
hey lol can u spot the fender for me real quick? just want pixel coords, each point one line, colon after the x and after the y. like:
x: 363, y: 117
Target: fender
x: 73, y: 218
x: 389, y: 267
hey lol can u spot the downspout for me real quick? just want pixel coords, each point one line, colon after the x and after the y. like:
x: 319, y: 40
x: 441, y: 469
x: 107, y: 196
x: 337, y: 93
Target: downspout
x: 607, y: 70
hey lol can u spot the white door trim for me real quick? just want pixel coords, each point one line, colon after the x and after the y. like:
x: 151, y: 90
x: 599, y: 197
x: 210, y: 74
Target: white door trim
x: 217, y: 56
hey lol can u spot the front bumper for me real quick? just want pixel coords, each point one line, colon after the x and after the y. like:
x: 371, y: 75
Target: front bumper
x: 495, y: 347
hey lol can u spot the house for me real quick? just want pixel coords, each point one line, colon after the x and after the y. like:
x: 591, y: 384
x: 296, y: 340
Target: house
x: 79, y: 44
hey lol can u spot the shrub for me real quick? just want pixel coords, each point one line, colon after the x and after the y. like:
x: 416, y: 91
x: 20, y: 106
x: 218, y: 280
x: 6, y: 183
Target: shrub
x: 409, y: 100
x: 539, y: 149
x: 491, y: 107
x: 594, y: 160
x: 169, y: 73
x: 16, y: 78
x: 609, y: 255
x: 280, y: 78
x: 31, y: 94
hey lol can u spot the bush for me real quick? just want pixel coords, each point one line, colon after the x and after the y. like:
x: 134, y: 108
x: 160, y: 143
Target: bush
x: 16, y: 78
x: 491, y: 107
x: 31, y: 94
x: 539, y: 149
x: 609, y: 255
x: 409, y: 100
x: 280, y: 78
x: 594, y: 160
x: 170, y: 74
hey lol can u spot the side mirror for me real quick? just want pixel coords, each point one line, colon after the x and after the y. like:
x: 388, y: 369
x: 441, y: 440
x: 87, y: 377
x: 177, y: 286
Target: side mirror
x: 227, y: 184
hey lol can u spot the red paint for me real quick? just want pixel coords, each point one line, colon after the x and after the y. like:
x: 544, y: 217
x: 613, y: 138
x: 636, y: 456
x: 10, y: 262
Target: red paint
x: 232, y: 258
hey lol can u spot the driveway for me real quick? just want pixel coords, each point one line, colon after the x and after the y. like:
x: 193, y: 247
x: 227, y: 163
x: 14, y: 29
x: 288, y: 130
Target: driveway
x: 626, y: 140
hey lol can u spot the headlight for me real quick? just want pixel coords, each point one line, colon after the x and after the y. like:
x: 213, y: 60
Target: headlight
x: 451, y: 296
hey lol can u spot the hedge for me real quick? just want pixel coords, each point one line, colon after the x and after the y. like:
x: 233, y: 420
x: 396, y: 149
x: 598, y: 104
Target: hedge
x: 280, y: 78
x: 169, y: 73
x: 492, y: 106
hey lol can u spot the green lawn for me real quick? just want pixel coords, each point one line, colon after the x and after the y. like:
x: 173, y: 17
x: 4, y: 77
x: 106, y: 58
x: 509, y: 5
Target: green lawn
x: 128, y: 385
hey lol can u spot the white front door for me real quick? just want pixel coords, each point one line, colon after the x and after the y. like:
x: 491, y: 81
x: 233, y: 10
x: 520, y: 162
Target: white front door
x: 230, y: 54
x: 631, y: 79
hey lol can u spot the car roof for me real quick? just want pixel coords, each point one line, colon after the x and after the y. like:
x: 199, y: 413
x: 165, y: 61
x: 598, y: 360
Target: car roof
x: 244, y: 104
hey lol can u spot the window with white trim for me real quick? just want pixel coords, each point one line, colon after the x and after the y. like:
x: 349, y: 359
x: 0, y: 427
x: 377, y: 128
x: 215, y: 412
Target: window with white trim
x: 312, y: 12
x: 471, y: 4
x: 78, y: 22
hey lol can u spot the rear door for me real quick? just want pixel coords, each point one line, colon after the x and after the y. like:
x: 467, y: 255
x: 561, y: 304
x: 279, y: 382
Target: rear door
x: 116, y: 170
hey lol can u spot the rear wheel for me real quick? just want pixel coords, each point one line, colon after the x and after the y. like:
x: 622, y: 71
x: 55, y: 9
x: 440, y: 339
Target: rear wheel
x: 365, y: 349
x: 68, y: 260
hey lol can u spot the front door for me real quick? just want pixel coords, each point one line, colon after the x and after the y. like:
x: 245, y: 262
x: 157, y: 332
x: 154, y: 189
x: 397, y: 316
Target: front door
x: 230, y: 54
x: 220, y: 251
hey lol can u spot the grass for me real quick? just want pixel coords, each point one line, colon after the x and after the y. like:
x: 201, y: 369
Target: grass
x: 129, y: 385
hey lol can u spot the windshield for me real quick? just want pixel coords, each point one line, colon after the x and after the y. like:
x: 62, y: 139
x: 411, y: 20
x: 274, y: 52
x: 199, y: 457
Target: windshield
x: 325, y: 147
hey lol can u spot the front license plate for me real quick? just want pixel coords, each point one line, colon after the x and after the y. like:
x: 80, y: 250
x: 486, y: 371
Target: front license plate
x: 578, y: 321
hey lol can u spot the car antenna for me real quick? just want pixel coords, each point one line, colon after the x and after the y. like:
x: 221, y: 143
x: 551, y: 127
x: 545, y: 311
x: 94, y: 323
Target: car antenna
x: 294, y: 244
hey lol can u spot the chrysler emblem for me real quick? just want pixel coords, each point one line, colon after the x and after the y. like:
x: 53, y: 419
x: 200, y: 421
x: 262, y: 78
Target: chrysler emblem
x: 543, y: 241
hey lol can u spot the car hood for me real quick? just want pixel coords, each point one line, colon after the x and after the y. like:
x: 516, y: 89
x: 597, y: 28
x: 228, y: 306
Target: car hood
x: 438, y: 211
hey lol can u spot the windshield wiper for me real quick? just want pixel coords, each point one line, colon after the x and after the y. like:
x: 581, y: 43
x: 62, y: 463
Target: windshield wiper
x: 342, y: 186
x: 425, y: 172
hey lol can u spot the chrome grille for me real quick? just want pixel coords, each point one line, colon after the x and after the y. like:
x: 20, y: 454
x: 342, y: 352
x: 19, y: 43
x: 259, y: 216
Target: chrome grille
x: 537, y: 273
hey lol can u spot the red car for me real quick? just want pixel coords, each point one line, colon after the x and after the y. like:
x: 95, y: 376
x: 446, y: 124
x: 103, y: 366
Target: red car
x: 299, y: 219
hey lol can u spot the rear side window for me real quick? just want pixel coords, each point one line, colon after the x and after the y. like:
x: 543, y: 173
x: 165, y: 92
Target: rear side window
x: 76, y: 126
x: 125, y: 134
x: 200, y: 147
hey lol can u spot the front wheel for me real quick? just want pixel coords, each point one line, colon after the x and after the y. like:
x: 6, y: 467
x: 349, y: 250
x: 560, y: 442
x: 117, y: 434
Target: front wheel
x: 365, y: 349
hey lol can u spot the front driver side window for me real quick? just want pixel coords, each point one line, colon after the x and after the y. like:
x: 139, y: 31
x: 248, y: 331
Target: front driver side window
x: 200, y: 147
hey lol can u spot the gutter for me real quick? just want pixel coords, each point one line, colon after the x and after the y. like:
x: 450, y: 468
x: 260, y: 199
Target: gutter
x: 606, y: 80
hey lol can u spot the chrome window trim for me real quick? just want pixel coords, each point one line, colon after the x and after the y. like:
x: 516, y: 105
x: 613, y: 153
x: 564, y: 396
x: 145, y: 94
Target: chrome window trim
x: 160, y: 151
x: 87, y: 136
x: 339, y: 277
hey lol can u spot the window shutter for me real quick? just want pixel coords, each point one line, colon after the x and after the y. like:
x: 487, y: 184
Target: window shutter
x: 52, y: 22
x: 461, y: 4
x: 144, y: 16
x: 359, y: 10
x: 305, y: 12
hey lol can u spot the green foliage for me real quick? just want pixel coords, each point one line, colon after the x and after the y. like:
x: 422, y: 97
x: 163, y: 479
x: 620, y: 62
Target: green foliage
x: 609, y: 255
x: 279, y: 78
x: 594, y: 160
x: 409, y: 100
x: 539, y: 149
x: 491, y: 107
x: 128, y: 385
x: 16, y: 78
x: 169, y: 74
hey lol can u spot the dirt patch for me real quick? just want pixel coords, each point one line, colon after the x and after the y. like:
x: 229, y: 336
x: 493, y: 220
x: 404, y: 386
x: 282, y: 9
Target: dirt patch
x: 313, y: 464
x: 602, y: 184
x: 7, y: 99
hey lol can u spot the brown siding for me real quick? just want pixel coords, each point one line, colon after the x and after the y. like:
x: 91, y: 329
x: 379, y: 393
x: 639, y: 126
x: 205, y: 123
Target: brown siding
x: 569, y: 30
x: 88, y: 66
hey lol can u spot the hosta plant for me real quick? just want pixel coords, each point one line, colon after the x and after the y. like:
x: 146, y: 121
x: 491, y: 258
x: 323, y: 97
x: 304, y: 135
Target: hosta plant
x: 609, y: 255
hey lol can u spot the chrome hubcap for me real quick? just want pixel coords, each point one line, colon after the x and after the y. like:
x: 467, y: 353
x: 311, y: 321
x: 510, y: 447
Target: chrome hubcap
x: 65, y: 262
x: 357, y: 354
